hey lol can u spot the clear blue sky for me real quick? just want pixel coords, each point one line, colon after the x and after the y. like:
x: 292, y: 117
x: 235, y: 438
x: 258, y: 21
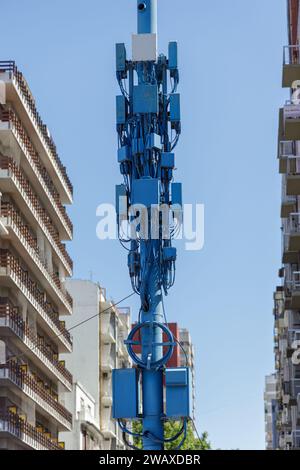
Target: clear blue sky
x: 230, y: 59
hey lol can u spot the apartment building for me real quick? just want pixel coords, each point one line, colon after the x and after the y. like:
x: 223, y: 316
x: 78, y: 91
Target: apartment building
x: 86, y: 434
x: 287, y: 295
x: 34, y: 264
x: 271, y: 411
x: 98, y: 349
x: 187, y: 358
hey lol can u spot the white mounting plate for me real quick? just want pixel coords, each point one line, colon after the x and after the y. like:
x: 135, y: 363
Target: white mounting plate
x: 144, y: 47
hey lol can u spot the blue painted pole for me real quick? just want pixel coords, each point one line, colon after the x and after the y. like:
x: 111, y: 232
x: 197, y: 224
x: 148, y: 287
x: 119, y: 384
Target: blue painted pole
x: 148, y: 116
x: 152, y: 380
x: 147, y: 16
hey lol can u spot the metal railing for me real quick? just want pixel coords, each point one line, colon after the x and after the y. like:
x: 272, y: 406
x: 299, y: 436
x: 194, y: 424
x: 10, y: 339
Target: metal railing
x: 296, y: 280
x: 14, y: 321
x: 11, y: 263
x: 293, y: 335
x: 293, y: 165
x: 35, y: 161
x: 296, y: 439
x: 18, y: 224
x: 287, y: 148
x: 291, y: 110
x: 8, y: 164
x: 21, y: 379
x: 13, y: 424
x: 10, y: 66
x: 291, y: 55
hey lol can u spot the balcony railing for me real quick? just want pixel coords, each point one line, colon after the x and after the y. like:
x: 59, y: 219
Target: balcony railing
x: 18, y: 224
x: 14, y: 321
x: 296, y: 439
x: 11, y: 423
x: 36, y: 164
x: 292, y: 164
x: 294, y: 335
x: 293, y: 223
x: 12, y: 265
x: 291, y: 110
x: 10, y: 66
x: 291, y: 55
x: 8, y: 164
x: 22, y: 379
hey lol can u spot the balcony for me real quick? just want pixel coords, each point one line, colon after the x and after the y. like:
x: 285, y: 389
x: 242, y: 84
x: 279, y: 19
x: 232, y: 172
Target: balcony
x: 293, y: 335
x: 293, y: 292
x: 289, y: 164
x: 108, y: 427
x: 11, y: 425
x: 108, y: 358
x: 107, y: 327
x: 291, y: 121
x: 291, y: 65
x: 14, y: 276
x: 12, y: 324
x: 106, y: 392
x: 291, y: 238
x: 291, y: 391
x: 10, y: 170
x: 12, y: 180
x: 11, y: 125
x: 26, y: 245
x: 19, y: 94
x: 293, y: 230
x: 12, y: 375
x: 296, y: 439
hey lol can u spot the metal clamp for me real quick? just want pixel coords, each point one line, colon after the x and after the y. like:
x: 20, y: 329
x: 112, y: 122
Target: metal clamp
x: 149, y: 364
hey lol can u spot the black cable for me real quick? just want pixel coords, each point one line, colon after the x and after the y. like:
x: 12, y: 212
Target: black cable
x: 171, y: 439
x: 131, y: 446
x: 13, y: 358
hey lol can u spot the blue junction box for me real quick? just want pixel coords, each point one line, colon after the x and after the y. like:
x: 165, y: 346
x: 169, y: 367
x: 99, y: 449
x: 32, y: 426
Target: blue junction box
x: 145, y: 99
x: 176, y: 189
x: 145, y: 191
x: 121, y: 109
x: 120, y: 57
x: 125, y: 393
x: 167, y: 160
x: 178, y: 392
x: 175, y: 107
x: 123, y: 154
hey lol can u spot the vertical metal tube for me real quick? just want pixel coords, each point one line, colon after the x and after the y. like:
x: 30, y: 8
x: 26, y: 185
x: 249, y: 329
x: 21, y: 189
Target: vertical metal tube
x: 147, y: 16
x: 152, y: 380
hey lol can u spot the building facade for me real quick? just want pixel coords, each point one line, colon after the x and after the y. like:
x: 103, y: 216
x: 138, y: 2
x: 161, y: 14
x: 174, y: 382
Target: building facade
x: 34, y: 264
x: 98, y: 349
x: 287, y: 295
x: 271, y: 411
x: 86, y: 434
x: 187, y: 358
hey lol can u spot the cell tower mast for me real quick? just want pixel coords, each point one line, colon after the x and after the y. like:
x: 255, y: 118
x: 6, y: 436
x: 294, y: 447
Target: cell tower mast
x: 149, y: 204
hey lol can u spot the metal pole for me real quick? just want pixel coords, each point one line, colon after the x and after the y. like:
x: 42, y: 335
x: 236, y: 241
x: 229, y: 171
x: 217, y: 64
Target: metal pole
x: 147, y: 16
x: 152, y: 380
x: 147, y: 119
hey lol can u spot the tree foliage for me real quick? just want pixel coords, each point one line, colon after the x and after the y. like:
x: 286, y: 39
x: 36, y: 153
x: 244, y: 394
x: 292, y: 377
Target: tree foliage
x: 171, y: 428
